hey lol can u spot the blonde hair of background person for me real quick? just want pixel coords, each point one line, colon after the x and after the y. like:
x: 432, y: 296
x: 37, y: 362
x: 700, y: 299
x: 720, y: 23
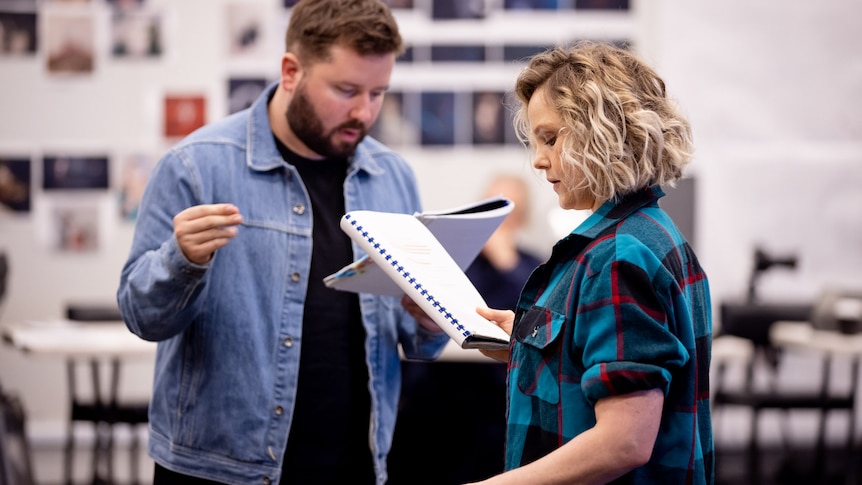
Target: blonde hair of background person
x: 501, y: 248
x: 608, y: 371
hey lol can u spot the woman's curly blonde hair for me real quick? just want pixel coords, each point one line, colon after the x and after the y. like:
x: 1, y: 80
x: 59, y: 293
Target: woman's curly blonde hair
x: 624, y: 133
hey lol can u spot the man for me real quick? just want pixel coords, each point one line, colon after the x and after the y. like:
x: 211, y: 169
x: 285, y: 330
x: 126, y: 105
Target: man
x: 263, y: 375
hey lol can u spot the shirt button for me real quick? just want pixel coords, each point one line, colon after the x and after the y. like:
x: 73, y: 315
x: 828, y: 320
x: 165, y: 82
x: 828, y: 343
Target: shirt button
x: 294, y: 277
x: 279, y: 410
x: 267, y: 481
x: 299, y: 209
x: 288, y: 342
x: 535, y: 331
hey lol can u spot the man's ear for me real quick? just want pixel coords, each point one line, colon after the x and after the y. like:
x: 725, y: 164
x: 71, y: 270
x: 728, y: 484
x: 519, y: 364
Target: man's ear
x: 291, y: 71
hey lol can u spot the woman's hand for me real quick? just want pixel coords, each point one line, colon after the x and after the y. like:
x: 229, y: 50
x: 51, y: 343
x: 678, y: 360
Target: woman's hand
x: 503, y: 319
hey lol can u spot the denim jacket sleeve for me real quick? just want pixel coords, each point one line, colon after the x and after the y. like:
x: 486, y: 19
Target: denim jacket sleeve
x: 159, y: 285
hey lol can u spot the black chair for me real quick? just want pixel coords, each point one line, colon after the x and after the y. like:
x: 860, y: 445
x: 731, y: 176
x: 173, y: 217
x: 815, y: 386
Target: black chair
x: 103, y: 411
x: 16, y: 467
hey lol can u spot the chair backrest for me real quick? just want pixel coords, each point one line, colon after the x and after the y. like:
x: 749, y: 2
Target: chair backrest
x: 107, y: 312
x: 752, y: 321
x: 838, y: 309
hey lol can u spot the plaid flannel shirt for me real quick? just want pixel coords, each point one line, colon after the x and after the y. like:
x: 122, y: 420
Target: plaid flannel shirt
x: 622, y: 305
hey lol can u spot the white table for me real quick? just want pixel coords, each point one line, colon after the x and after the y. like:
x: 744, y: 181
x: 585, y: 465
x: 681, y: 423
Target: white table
x: 98, y: 343
x: 80, y: 340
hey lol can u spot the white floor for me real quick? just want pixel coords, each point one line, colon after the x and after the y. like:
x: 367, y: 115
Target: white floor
x: 48, y: 458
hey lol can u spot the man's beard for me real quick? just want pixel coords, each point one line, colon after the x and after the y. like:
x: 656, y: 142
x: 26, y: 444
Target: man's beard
x: 306, y: 125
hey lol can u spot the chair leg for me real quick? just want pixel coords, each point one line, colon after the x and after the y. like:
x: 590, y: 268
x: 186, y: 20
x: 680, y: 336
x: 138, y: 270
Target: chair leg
x: 754, y: 448
x: 69, y: 447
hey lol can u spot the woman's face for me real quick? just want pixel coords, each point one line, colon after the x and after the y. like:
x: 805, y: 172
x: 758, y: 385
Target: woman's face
x: 546, y: 127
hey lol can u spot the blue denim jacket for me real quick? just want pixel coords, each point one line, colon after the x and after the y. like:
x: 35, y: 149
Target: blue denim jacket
x: 230, y: 331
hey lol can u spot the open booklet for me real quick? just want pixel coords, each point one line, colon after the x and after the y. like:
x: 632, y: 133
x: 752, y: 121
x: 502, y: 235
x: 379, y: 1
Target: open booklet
x: 461, y: 230
x: 424, y: 256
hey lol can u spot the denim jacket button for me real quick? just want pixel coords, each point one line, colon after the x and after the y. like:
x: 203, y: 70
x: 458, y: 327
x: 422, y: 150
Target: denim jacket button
x: 288, y: 342
x: 279, y: 410
x: 299, y: 209
x: 294, y: 277
x: 267, y: 481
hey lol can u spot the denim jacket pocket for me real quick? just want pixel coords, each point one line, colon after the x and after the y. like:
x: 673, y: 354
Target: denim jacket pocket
x: 537, y: 357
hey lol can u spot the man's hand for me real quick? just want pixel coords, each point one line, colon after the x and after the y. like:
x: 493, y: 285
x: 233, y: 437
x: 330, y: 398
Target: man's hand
x: 202, y: 229
x: 416, y: 312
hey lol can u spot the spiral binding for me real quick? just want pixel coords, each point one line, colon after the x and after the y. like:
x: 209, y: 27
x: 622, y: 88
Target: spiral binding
x: 406, y: 275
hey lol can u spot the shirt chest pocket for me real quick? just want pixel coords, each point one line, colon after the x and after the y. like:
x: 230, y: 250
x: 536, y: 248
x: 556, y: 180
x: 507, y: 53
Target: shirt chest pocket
x: 538, y: 352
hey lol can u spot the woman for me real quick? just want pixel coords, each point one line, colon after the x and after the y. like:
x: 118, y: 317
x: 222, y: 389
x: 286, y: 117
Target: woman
x: 608, y: 366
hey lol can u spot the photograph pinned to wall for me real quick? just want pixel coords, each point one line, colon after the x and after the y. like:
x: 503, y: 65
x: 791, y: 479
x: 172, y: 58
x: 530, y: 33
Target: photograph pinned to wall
x: 510, y: 136
x: 136, y: 34
x: 458, y: 9
x: 63, y: 172
x: 243, y: 91
x: 69, y: 41
x: 399, y: 4
x: 601, y: 4
x: 489, y: 119
x: 394, y: 126
x: 246, y: 28
x: 74, y: 227
x: 17, y: 33
x: 437, y: 118
x: 289, y: 3
x: 531, y: 4
x: 135, y: 172
x: 457, y: 53
x: 15, y: 176
x: 125, y: 4
x: 406, y: 56
x: 183, y: 114
x: 522, y: 52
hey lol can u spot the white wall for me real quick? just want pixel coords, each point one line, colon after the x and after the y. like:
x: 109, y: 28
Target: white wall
x: 772, y: 90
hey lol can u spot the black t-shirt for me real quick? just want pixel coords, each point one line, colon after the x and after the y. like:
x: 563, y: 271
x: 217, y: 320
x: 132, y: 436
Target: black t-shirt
x: 329, y: 437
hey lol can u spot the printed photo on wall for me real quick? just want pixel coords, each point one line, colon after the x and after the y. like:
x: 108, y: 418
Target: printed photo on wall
x: 530, y: 4
x: 75, y: 227
x: 458, y: 9
x: 394, y: 126
x: 457, y: 53
x: 489, y: 119
x: 125, y: 4
x: 183, y: 114
x: 242, y: 92
x: 438, y: 118
x: 136, y: 33
x: 246, y: 24
x: 73, y: 172
x: 15, y: 184
x: 135, y: 172
x: 69, y: 42
x: 399, y: 4
x: 17, y: 33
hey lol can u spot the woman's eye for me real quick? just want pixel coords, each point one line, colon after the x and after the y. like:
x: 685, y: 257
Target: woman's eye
x: 551, y: 141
